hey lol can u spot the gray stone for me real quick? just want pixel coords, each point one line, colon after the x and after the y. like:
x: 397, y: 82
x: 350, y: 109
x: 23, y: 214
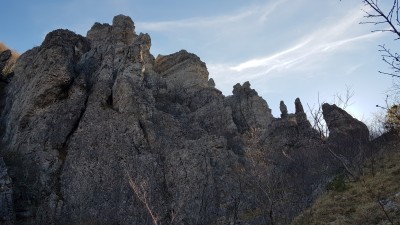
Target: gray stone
x: 211, y: 82
x: 249, y: 110
x: 298, y: 106
x: 283, y: 108
x: 7, y: 215
x: 182, y: 70
x: 348, y: 136
x: 5, y: 55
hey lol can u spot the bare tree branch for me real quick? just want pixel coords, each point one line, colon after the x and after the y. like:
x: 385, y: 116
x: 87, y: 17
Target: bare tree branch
x: 387, y: 18
x: 317, y: 119
x: 390, y: 17
x: 141, y: 191
x: 384, y: 211
x: 343, y: 161
x: 343, y: 101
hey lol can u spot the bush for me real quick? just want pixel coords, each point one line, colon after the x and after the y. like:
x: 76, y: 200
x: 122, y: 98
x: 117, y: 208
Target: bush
x: 9, y: 67
x: 338, y: 184
x: 392, y: 120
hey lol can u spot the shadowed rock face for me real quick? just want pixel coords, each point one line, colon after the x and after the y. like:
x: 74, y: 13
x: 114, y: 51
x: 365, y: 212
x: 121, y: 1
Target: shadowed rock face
x: 84, y: 115
x: 347, y: 135
x: 6, y: 199
x: 341, y: 124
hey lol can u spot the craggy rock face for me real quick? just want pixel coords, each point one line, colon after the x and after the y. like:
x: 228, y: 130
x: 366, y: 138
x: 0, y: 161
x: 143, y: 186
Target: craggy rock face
x: 183, y: 70
x: 340, y: 123
x: 84, y: 116
x: 347, y: 135
x: 6, y: 192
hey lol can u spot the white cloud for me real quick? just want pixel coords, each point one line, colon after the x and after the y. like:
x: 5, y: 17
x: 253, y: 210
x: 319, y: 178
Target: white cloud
x: 336, y: 44
x: 325, y: 40
x: 259, y: 12
x: 192, y: 22
x: 352, y: 69
x: 275, y: 58
x: 269, y: 9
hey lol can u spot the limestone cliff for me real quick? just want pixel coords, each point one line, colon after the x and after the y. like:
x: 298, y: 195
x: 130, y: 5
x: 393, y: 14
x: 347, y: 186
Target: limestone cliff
x: 83, y: 116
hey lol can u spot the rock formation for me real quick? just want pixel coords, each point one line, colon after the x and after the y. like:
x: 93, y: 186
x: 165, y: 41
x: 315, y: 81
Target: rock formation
x: 7, y: 61
x: 347, y: 135
x: 283, y: 109
x: 6, y: 198
x: 95, y: 130
x: 4, y: 57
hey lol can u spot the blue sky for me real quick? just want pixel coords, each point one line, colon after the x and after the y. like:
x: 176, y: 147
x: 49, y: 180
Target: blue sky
x: 286, y: 49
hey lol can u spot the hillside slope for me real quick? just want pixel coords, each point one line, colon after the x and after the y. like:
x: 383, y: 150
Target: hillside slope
x: 373, y: 199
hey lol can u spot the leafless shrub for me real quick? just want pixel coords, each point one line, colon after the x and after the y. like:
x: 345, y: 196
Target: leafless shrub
x: 317, y: 120
x: 389, y: 18
x: 376, y: 125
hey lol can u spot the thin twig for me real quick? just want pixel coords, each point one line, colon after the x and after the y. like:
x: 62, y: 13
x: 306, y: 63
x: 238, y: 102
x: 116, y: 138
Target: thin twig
x: 384, y: 211
x: 141, y: 194
x: 343, y: 163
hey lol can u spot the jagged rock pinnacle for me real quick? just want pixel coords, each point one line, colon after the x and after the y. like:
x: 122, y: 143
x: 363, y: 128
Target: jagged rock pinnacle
x: 244, y: 89
x: 121, y: 32
x: 298, y: 106
x: 345, y: 132
x: 283, y: 109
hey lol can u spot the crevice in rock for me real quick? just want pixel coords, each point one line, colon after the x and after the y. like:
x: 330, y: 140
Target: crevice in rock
x: 76, y: 125
x: 63, y: 150
x: 204, y: 201
x: 144, y: 131
x: 64, y: 89
x: 64, y: 92
x: 4, y: 79
x: 109, y: 103
x: 110, y: 100
x: 243, y: 125
x: 3, y: 106
x: 114, y: 77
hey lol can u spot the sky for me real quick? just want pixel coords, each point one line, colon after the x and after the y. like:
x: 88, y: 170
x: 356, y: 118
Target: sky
x: 310, y: 49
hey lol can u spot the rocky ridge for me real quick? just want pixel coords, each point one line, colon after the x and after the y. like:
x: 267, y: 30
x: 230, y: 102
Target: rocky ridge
x: 94, y: 129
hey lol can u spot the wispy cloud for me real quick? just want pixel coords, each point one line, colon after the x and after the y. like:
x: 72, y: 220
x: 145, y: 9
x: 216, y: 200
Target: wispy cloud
x: 192, y: 22
x: 329, y: 38
x: 267, y: 60
x: 336, y: 44
x: 302, y: 58
x: 259, y: 12
x: 269, y: 9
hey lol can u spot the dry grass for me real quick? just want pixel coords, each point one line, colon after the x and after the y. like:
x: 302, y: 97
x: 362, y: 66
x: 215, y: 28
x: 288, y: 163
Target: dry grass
x: 3, y: 47
x: 11, y: 62
x: 373, y: 199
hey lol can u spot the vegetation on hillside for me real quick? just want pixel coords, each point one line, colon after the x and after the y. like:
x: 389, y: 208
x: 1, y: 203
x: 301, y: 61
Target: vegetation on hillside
x: 9, y: 67
x: 393, y: 118
x: 374, y: 198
